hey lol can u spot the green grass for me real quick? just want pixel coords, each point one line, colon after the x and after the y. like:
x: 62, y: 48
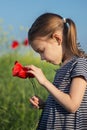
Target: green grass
x: 16, y: 112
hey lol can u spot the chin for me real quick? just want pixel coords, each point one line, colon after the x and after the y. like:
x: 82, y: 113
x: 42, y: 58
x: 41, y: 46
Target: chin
x: 57, y: 63
x: 54, y: 63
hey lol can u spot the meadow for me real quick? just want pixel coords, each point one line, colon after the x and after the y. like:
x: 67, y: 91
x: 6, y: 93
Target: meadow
x: 16, y: 113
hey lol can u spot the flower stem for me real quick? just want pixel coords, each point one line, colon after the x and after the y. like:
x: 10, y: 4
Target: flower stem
x: 34, y: 86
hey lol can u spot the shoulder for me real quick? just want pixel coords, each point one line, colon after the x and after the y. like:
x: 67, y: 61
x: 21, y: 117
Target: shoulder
x: 80, y: 67
x: 80, y: 62
x: 81, y: 59
x: 76, y: 62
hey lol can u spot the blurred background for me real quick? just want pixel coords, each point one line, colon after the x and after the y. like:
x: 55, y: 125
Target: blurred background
x: 16, y: 17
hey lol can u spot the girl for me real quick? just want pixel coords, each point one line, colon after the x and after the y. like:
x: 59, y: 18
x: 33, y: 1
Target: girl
x: 55, y: 39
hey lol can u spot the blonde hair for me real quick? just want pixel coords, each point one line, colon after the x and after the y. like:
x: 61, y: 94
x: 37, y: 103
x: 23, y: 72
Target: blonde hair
x: 48, y: 23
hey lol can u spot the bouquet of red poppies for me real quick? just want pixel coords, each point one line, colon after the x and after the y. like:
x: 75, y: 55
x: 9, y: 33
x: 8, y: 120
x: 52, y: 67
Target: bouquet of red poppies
x: 20, y: 71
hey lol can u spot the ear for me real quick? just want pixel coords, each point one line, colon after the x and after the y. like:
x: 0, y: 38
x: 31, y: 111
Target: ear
x: 57, y: 37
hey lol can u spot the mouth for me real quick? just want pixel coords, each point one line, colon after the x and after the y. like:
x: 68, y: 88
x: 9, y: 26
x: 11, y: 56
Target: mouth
x: 49, y: 62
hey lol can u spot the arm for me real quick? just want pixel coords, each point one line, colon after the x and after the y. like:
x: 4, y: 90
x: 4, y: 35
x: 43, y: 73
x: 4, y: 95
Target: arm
x: 71, y: 101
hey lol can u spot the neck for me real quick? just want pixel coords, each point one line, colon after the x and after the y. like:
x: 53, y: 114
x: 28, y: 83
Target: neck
x: 66, y: 58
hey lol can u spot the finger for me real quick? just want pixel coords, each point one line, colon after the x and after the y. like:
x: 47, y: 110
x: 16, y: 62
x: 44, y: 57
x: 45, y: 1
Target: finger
x: 35, y: 98
x: 34, y: 103
x: 29, y: 66
x: 32, y: 67
x: 30, y: 71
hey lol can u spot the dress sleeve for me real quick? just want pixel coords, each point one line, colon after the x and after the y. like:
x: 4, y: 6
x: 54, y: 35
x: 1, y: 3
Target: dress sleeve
x: 80, y: 68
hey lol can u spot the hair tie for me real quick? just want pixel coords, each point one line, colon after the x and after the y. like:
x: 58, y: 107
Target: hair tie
x: 64, y: 20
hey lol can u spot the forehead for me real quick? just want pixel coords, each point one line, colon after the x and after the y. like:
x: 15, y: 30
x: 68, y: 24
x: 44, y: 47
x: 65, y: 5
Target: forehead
x: 38, y: 43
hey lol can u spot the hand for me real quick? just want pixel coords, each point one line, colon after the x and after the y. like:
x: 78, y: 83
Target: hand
x: 37, y: 102
x: 37, y: 72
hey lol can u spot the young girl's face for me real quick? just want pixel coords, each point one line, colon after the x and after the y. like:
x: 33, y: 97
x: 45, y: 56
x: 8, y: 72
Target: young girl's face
x: 49, y: 50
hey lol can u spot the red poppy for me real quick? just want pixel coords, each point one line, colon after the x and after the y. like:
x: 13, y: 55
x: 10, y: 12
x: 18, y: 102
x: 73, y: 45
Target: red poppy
x: 15, y: 44
x: 26, y: 42
x: 20, y: 71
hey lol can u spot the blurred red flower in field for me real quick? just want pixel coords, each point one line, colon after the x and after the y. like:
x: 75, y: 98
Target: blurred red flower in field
x: 26, y: 42
x: 20, y: 71
x: 14, y: 44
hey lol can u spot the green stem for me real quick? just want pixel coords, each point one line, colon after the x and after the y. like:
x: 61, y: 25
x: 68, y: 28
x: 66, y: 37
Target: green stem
x: 34, y: 85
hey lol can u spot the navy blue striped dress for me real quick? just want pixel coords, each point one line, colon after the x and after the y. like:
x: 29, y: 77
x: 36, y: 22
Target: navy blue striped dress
x: 54, y: 116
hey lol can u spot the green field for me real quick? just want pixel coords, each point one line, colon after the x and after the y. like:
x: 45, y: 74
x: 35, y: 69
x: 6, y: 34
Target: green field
x: 16, y: 113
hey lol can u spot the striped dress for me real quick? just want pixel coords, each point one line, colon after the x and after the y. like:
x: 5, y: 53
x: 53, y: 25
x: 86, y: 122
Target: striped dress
x: 54, y: 116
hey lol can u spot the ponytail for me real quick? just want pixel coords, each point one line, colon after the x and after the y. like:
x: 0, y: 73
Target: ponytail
x: 72, y: 36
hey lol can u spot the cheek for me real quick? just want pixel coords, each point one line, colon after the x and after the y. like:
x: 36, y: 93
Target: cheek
x: 54, y: 55
x: 49, y: 55
x: 52, y: 52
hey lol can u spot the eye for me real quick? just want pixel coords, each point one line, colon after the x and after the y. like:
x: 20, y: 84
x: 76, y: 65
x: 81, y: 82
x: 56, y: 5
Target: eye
x: 40, y: 50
